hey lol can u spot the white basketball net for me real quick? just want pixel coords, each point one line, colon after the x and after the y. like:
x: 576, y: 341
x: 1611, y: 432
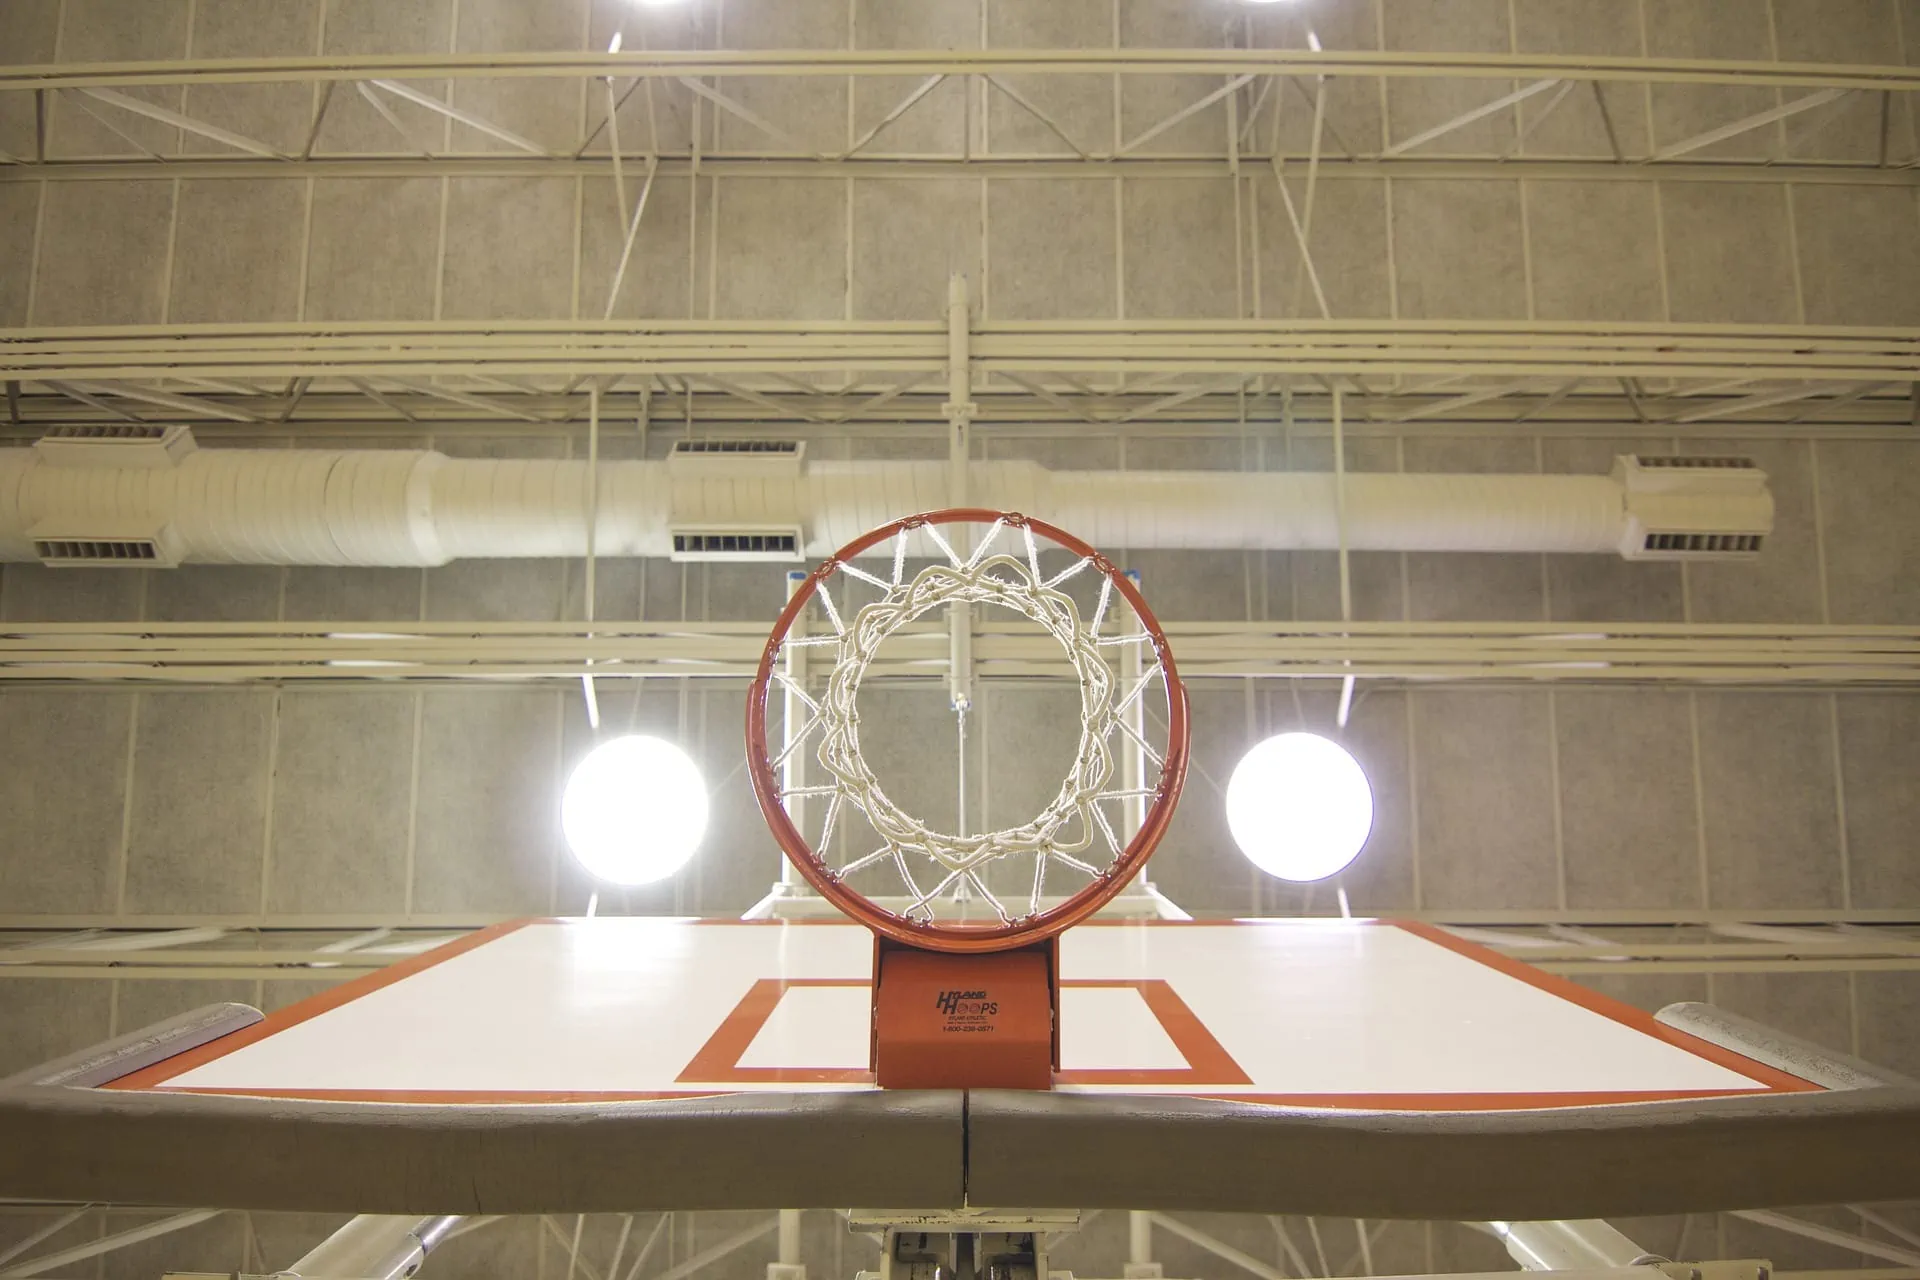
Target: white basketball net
x: 1070, y: 823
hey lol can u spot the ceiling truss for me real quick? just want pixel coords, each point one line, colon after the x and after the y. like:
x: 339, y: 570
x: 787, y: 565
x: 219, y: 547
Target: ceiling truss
x: 1661, y: 379
x: 1748, y: 655
x: 1249, y: 82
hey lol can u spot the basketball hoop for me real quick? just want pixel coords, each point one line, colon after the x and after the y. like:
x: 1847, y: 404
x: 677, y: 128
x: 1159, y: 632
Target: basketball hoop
x: 1073, y: 838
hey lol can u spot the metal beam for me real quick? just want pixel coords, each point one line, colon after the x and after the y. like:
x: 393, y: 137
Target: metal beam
x: 1828, y: 1235
x: 1480, y: 112
x: 107, y: 1244
x: 741, y: 161
x: 834, y: 63
x: 1746, y: 124
x: 152, y: 111
x: 1750, y: 655
x: 451, y: 112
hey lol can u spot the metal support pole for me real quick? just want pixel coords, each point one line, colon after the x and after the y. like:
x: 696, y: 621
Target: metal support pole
x: 593, y: 530
x: 959, y: 410
x: 374, y: 1247
x: 1576, y: 1245
x: 1140, y: 1264
x: 1340, y: 521
x: 123, y: 1055
x: 1777, y: 1049
x: 789, y: 1267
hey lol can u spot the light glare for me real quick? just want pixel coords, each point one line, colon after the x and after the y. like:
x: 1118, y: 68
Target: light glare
x: 634, y: 810
x: 1299, y: 807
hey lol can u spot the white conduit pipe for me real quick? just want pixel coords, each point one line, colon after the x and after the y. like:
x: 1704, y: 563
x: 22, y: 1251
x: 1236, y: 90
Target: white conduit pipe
x: 413, y: 507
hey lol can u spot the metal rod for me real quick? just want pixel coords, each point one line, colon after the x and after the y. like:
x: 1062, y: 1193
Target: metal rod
x: 789, y: 1253
x: 125, y: 1054
x: 833, y: 63
x: 1219, y: 1248
x: 1828, y: 1235
x: 1570, y: 1245
x: 107, y: 1244
x: 706, y: 1257
x: 47, y: 1232
x: 593, y: 529
x: 1139, y: 1237
x: 374, y: 1247
x: 1777, y: 1049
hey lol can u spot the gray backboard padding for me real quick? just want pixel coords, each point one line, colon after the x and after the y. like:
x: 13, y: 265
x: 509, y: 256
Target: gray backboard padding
x: 1590, y: 1162
x: 811, y: 1150
x: 928, y: 1150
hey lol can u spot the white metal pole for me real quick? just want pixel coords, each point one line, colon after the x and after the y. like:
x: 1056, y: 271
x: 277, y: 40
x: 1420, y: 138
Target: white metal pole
x: 790, y: 1237
x: 1574, y: 1245
x: 374, y: 1246
x: 1139, y: 1234
x: 1340, y: 522
x: 593, y: 523
x: 959, y: 411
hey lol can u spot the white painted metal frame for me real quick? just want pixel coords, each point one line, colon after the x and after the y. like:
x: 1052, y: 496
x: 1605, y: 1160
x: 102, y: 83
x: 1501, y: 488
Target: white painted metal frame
x: 1757, y: 655
x: 1104, y: 374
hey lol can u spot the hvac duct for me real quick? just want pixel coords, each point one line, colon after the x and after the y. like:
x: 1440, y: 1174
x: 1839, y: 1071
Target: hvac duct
x: 135, y: 501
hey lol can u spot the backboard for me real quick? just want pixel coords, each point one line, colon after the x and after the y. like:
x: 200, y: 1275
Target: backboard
x: 1353, y: 1014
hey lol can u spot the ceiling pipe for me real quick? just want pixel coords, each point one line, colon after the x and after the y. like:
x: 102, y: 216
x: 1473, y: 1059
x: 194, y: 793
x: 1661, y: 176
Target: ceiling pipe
x: 160, y: 502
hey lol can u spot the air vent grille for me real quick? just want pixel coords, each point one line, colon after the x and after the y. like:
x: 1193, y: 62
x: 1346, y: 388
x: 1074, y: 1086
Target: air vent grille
x: 781, y: 545
x: 1698, y: 463
x: 138, y: 431
x: 756, y: 448
x: 115, y: 444
x: 1703, y: 543
x: 107, y: 551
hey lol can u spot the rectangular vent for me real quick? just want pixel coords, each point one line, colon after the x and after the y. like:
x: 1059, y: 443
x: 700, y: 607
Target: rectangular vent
x: 1698, y: 463
x: 1703, y: 543
x: 114, y: 551
x: 115, y: 444
x: 153, y: 431
x: 782, y: 546
x: 757, y: 448
x: 736, y: 459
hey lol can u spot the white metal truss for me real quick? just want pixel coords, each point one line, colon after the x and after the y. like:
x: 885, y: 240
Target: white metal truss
x: 1246, y: 80
x: 1673, y: 378
x: 1749, y: 655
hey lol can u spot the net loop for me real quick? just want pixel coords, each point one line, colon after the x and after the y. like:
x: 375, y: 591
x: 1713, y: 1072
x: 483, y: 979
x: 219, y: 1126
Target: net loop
x: 1069, y: 822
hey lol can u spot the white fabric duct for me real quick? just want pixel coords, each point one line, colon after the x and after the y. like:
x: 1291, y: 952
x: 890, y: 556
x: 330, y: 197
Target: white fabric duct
x: 411, y: 507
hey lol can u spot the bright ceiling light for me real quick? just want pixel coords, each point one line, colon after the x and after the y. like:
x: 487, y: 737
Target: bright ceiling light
x: 1299, y: 807
x: 634, y: 810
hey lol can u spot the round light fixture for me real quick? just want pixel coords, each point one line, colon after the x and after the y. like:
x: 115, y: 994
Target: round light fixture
x: 634, y: 810
x: 1299, y: 807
